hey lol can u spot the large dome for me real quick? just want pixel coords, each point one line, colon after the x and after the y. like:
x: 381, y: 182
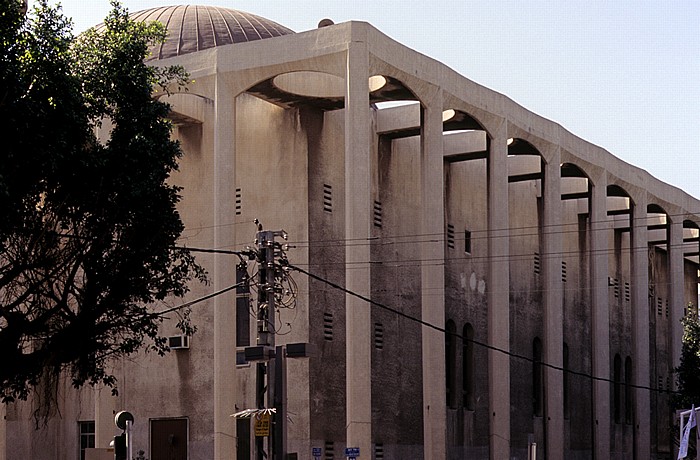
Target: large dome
x: 194, y: 28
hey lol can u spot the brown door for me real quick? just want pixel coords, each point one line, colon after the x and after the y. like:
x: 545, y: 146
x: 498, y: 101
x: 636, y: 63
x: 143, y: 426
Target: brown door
x: 169, y: 439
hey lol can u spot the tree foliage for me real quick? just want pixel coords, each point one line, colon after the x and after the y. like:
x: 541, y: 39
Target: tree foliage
x: 89, y: 227
x: 688, y: 372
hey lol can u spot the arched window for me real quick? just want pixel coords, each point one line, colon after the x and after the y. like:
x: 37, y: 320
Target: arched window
x: 628, y: 390
x: 565, y: 379
x: 451, y: 364
x: 468, y: 366
x: 617, y: 379
x: 537, y: 378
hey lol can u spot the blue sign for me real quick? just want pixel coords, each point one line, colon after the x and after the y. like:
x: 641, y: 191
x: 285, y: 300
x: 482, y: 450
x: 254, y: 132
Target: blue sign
x: 352, y: 452
x: 316, y: 451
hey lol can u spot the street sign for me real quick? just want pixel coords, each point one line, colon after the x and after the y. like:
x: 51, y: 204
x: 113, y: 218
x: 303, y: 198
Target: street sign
x: 262, y: 425
x: 352, y: 452
x: 316, y: 452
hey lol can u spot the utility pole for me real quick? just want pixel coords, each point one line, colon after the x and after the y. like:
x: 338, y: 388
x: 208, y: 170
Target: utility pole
x: 276, y: 290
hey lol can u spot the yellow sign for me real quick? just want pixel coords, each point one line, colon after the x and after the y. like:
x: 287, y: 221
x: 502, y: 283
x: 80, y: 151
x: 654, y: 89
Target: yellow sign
x: 262, y: 425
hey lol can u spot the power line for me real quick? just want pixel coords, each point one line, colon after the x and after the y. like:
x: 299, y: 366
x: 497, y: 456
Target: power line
x: 464, y: 339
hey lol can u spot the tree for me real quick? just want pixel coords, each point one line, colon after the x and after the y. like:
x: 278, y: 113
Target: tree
x: 89, y: 227
x: 688, y: 372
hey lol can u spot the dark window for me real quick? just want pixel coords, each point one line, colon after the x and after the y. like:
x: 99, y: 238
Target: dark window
x: 467, y: 242
x: 450, y: 364
x: 87, y: 436
x: 565, y: 379
x: 628, y: 390
x: 468, y: 366
x: 242, y: 308
x: 537, y: 378
x: 617, y: 379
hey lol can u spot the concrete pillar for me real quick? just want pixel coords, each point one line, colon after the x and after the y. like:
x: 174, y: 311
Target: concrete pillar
x: 676, y: 288
x: 357, y: 256
x: 600, y: 317
x: 640, y: 327
x: 498, y: 295
x: 105, y: 409
x: 553, y: 305
x: 3, y: 431
x: 433, y: 279
x: 225, y: 396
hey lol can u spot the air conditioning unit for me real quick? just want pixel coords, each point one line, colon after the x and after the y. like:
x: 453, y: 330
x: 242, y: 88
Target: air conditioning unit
x: 179, y: 342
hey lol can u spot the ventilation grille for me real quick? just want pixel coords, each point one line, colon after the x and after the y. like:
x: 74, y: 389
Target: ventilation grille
x: 377, y: 214
x: 328, y: 450
x: 627, y: 291
x: 328, y: 326
x: 379, y: 451
x: 238, y: 201
x: 327, y: 198
x: 563, y: 271
x: 450, y: 236
x: 538, y: 263
x: 615, y: 283
x: 378, y: 336
x: 659, y: 306
x: 666, y: 308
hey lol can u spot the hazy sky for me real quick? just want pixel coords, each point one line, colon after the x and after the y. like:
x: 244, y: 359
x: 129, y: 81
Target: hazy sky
x: 622, y: 74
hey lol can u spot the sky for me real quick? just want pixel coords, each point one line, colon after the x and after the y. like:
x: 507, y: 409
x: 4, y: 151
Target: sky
x: 622, y: 74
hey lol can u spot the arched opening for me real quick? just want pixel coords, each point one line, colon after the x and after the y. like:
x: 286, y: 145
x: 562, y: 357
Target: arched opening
x: 468, y: 366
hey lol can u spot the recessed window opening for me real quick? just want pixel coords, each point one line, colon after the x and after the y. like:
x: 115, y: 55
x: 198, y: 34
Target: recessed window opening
x: 467, y: 242
x: 451, y: 364
x: 468, y: 367
x: 537, y: 378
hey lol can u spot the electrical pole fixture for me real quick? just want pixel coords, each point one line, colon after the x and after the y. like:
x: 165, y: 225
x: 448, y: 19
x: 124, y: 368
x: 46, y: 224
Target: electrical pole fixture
x: 276, y: 291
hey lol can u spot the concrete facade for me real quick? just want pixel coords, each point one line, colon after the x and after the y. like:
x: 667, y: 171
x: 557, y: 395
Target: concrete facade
x: 535, y: 281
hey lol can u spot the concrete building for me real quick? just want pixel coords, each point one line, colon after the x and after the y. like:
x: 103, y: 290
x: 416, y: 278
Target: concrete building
x: 535, y: 281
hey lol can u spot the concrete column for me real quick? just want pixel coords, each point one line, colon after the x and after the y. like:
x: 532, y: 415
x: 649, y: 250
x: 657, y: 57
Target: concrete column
x: 600, y: 317
x: 3, y: 431
x: 357, y: 271
x: 498, y: 295
x: 225, y: 274
x: 105, y: 409
x: 640, y: 327
x: 553, y: 306
x: 676, y: 288
x: 433, y: 279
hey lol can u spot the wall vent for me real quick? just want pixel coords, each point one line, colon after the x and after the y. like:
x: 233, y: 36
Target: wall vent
x: 178, y: 342
x: 627, y: 291
x: 238, y: 201
x: 378, y: 336
x: 379, y: 451
x: 328, y: 450
x: 538, y: 263
x: 666, y: 308
x: 377, y: 214
x: 450, y: 236
x: 327, y: 198
x: 659, y: 306
x: 328, y: 326
x: 563, y: 271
